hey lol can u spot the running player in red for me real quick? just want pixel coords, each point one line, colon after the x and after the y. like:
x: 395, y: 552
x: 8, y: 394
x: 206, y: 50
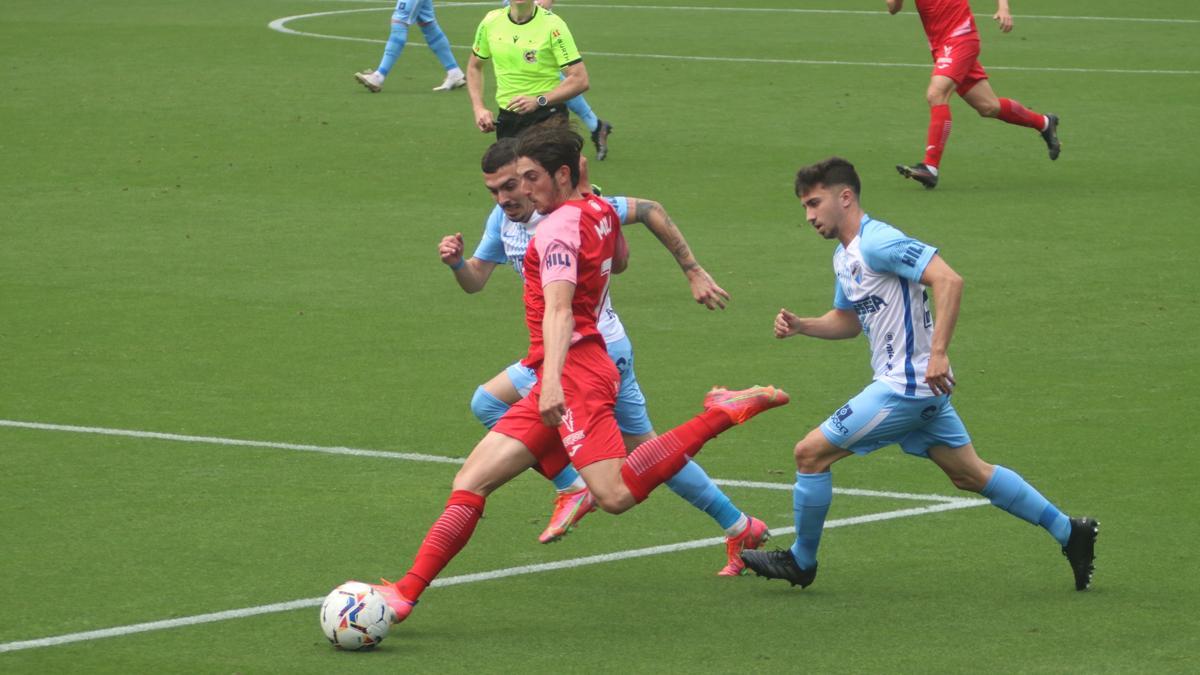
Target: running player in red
x: 954, y: 42
x: 568, y: 415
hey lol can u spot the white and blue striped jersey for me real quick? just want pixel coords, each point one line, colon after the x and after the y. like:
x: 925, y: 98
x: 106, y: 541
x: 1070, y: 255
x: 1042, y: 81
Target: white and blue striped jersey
x: 505, y: 242
x: 879, y: 278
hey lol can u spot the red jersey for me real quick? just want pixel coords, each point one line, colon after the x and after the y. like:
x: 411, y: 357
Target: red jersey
x: 574, y: 243
x: 945, y: 20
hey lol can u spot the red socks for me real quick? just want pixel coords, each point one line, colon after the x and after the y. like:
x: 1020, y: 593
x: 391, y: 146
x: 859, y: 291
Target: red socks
x: 654, y: 462
x: 446, y: 538
x: 1015, y: 113
x: 939, y: 131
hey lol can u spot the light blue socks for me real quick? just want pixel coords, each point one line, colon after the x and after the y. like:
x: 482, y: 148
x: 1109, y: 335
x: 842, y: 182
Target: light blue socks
x: 811, y: 497
x: 1008, y: 491
x: 694, y: 485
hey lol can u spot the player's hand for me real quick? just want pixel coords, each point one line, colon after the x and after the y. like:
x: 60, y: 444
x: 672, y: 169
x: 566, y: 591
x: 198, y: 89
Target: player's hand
x: 786, y: 324
x: 522, y: 104
x: 1004, y: 19
x: 937, y: 375
x: 451, y: 248
x: 484, y: 121
x: 552, y: 404
x: 705, y: 290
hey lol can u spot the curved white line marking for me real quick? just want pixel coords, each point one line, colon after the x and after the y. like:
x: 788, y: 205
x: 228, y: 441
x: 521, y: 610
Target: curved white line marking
x: 793, y: 10
x: 281, y: 26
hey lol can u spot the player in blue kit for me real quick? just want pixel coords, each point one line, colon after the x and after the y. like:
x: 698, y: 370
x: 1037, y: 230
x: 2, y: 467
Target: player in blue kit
x: 421, y: 12
x: 882, y: 275
x: 506, y: 237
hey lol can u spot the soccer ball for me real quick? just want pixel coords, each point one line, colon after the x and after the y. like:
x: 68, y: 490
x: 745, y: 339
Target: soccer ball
x: 355, y: 616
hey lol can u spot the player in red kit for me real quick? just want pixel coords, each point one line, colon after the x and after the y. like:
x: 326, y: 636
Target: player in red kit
x: 954, y: 42
x: 568, y: 415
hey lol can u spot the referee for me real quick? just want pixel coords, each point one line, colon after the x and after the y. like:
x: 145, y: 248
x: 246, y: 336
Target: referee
x: 528, y: 47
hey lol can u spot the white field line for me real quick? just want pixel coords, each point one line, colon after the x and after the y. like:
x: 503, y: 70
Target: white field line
x: 794, y: 10
x: 280, y: 25
x: 329, y: 450
x: 132, y: 629
x: 405, y: 456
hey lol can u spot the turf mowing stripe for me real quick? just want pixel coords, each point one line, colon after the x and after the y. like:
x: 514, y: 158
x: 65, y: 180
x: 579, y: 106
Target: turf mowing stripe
x: 132, y: 629
x: 280, y: 25
x: 407, y: 456
x: 794, y: 10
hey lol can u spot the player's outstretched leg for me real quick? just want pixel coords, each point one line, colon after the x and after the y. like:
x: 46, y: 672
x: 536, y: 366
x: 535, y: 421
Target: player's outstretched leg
x: 1011, y: 111
x: 743, y: 404
x: 742, y: 531
x: 448, y: 535
x: 1081, y: 550
x: 654, y: 462
x: 1008, y: 491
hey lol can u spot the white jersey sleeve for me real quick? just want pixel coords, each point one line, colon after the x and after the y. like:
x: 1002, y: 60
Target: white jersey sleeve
x: 491, y: 247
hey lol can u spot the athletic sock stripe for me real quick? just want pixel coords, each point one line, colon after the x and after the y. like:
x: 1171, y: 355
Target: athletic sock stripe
x: 645, y: 457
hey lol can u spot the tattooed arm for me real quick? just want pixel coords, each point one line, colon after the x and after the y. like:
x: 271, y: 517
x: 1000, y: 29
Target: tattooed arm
x: 656, y: 219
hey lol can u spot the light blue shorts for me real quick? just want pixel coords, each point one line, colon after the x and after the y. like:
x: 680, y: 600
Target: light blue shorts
x: 410, y: 11
x: 879, y: 417
x: 630, y: 410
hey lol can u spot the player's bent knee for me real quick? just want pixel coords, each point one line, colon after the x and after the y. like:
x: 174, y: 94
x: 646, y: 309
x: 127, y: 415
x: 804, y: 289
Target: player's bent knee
x: 487, y: 408
x: 988, y: 109
x: 465, y: 480
x: 614, y: 501
x: 809, y: 458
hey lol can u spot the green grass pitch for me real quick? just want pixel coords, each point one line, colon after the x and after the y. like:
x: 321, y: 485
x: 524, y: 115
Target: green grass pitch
x: 208, y: 229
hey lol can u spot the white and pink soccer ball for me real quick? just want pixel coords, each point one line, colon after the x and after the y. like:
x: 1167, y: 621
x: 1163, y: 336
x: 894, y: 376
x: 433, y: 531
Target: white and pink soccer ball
x: 354, y: 616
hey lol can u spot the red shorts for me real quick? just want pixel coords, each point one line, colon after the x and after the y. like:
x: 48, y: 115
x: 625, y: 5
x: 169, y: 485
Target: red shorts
x: 959, y: 61
x: 589, y: 431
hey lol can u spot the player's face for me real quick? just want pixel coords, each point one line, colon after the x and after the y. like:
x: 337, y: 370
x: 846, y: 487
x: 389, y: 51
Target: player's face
x: 505, y: 187
x: 823, y: 210
x: 538, y: 185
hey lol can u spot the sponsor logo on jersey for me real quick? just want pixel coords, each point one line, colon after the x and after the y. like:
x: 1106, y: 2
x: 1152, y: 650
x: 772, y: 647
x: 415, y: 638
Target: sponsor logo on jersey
x: 836, y: 419
x: 573, y: 442
x: 558, y: 255
x: 531, y: 56
x: 913, y: 253
x: 946, y: 59
x: 869, y: 305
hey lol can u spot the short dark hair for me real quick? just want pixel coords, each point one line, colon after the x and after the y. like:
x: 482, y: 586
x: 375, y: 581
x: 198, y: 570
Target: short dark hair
x: 501, y: 153
x: 828, y: 172
x: 552, y: 146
